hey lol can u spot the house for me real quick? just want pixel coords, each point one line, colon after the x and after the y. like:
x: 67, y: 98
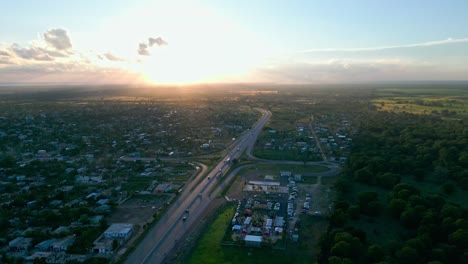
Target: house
x: 45, y: 245
x: 20, y: 244
x: 63, y: 244
x: 60, y: 229
x: 102, y: 201
x: 120, y: 230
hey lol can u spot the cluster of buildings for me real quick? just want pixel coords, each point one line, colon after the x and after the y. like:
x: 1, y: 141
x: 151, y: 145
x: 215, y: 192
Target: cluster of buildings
x: 56, y: 249
x: 256, y: 229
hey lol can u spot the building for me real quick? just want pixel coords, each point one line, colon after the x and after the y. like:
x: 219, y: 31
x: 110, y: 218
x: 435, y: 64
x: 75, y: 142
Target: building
x: 253, y: 241
x: 20, y: 244
x: 103, y: 245
x: 120, y: 230
x: 63, y: 244
x: 45, y: 245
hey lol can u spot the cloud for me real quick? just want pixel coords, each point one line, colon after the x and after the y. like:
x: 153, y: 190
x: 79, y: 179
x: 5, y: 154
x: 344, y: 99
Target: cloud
x: 416, y: 45
x: 158, y: 41
x: 143, y: 47
x: 58, y: 38
x: 36, y: 53
x: 5, y: 61
x: 111, y: 57
x: 4, y: 53
x: 33, y: 53
x: 66, y: 72
x: 352, y: 71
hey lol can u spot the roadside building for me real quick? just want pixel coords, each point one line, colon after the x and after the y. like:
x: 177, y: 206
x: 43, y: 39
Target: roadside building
x: 120, y: 230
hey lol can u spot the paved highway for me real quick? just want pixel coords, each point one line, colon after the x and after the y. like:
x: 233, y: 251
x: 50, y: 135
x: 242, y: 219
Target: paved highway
x: 187, y: 209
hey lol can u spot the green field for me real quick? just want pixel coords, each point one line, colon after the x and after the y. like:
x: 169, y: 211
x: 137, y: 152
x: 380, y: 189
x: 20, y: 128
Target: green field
x: 273, y: 154
x: 448, y: 103
x: 276, y: 168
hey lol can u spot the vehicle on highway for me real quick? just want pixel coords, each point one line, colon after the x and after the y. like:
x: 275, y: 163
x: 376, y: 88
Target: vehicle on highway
x: 184, y: 218
x: 208, y: 177
x: 187, y: 210
x: 200, y: 195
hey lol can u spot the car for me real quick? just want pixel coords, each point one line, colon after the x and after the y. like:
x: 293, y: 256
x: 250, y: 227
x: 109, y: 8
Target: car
x: 184, y: 218
x: 199, y: 194
x: 187, y: 210
x: 209, y: 177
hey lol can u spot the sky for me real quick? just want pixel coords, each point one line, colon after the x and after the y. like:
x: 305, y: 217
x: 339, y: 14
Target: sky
x: 183, y: 42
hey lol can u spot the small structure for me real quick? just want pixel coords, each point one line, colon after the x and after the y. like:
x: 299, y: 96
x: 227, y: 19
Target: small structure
x: 163, y: 187
x: 298, y: 177
x: 253, y: 241
x: 285, y: 174
x: 265, y: 183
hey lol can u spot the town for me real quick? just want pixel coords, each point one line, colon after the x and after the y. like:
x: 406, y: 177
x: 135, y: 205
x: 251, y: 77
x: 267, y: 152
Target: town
x: 114, y: 176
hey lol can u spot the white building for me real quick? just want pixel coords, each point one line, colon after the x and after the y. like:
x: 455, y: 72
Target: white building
x: 120, y: 230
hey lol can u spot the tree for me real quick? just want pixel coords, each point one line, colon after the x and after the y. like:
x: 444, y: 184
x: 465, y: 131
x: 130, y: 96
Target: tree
x: 388, y: 180
x: 396, y: 207
x: 353, y: 211
x: 338, y: 218
x: 448, y: 188
x: 459, y: 238
x: 363, y: 175
x: 341, y: 249
x: 338, y: 260
x: 375, y: 253
x: 408, y: 255
x: 410, y: 217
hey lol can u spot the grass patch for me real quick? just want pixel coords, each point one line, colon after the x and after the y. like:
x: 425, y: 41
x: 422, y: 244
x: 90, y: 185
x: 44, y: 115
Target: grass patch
x: 328, y: 181
x: 208, y: 248
x: 309, y: 180
x: 137, y: 183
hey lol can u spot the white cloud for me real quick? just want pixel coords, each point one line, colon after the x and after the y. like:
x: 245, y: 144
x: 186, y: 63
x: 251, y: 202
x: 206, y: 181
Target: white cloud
x: 112, y: 57
x: 424, y: 44
x: 158, y: 41
x: 58, y: 39
x: 143, y: 47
